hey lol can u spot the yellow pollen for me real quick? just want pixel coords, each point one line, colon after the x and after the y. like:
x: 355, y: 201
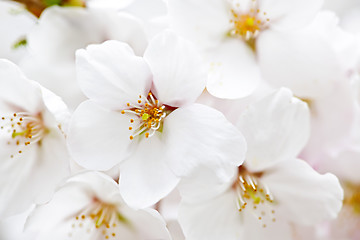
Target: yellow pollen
x: 149, y: 113
x: 251, y: 191
x: 247, y: 24
x: 100, y: 217
x: 23, y: 128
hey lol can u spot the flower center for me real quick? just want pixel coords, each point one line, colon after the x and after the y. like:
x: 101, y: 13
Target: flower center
x: 99, y: 219
x: 247, y: 24
x: 251, y: 193
x: 23, y: 129
x: 149, y: 116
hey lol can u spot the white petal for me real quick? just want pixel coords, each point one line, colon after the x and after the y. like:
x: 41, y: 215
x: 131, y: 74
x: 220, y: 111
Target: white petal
x: 332, y: 121
x: 148, y: 224
x: 304, y: 196
x: 290, y: 14
x: 302, y: 62
x: 275, y: 128
x: 111, y: 75
x: 17, y: 91
x: 118, y: 4
x: 216, y: 219
x: 254, y: 229
x: 126, y: 28
x: 202, y: 185
x: 61, y: 31
x: 60, y: 115
x: 205, y: 22
x: 233, y: 71
x: 15, y: 193
x: 179, y: 73
x: 33, y: 175
x: 66, y: 203
x: 198, y: 135
x: 145, y: 177
x: 98, y: 138
x: 52, y: 166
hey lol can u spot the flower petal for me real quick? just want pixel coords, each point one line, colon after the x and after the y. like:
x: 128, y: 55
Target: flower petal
x: 98, y: 138
x: 303, y: 62
x: 304, y: 196
x: 67, y: 202
x: 216, y: 219
x: 290, y: 14
x: 179, y: 72
x: 234, y: 72
x: 198, y: 135
x: 205, y: 22
x: 148, y: 224
x: 111, y: 75
x: 202, y: 185
x: 275, y: 128
x: 15, y: 194
x: 17, y: 91
x: 145, y: 177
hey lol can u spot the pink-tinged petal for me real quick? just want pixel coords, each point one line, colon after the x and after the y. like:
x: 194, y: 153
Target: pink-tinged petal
x: 205, y: 22
x: 332, y: 120
x: 303, y: 195
x: 179, y: 73
x: 198, y: 135
x: 276, y: 129
x: 111, y: 75
x: 98, y: 138
x: 17, y: 92
x: 303, y: 62
x: 145, y: 177
x: 290, y: 14
x: 215, y: 219
x: 233, y: 70
x: 345, y: 165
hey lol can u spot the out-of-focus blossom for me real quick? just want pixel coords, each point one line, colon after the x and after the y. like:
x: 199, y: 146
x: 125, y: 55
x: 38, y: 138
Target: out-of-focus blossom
x: 34, y: 158
x: 61, y: 31
x: 142, y: 110
x: 229, y: 33
x: 15, y: 23
x: 89, y: 206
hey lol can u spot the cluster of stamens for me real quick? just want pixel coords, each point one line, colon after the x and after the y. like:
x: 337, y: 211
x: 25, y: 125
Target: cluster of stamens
x: 247, y: 25
x: 101, y: 217
x: 250, y: 192
x: 149, y: 115
x: 23, y: 129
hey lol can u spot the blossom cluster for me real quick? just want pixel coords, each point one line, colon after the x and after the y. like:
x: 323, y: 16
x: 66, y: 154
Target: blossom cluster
x: 179, y: 119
